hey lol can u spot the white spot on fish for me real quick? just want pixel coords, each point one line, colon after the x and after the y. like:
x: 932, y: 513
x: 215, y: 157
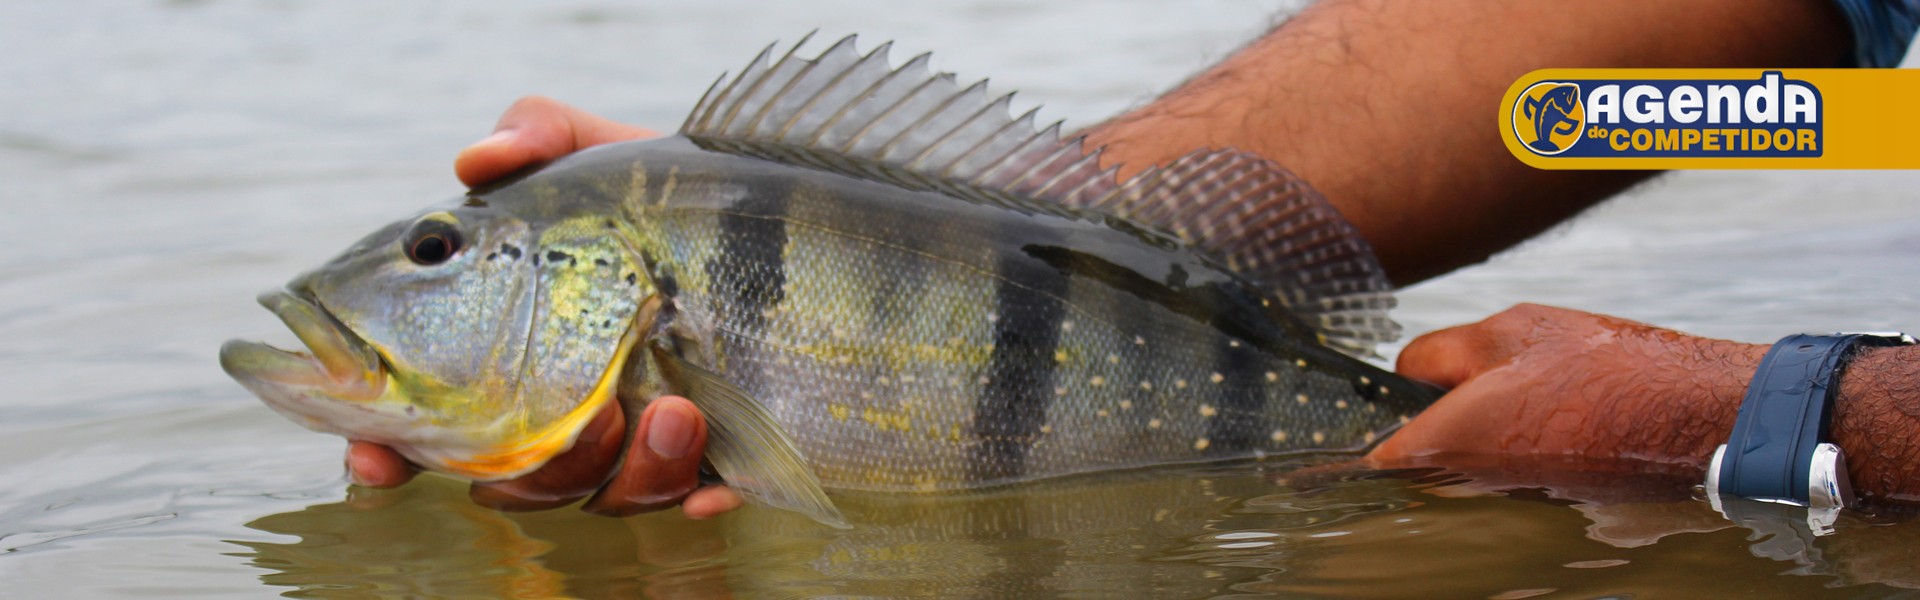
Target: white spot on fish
x: 1146, y: 385
x: 907, y: 379
x: 1300, y: 362
x: 1113, y: 358
x: 1066, y: 325
x: 1046, y: 429
x: 984, y: 380
x: 1153, y: 424
x: 1126, y: 405
x: 1102, y: 412
x: 1279, y: 435
x: 1404, y: 420
x: 953, y: 381
x: 1097, y: 381
x: 1340, y: 404
x: 883, y: 380
x: 1364, y: 382
x: 1301, y: 398
x: 866, y: 395
x: 1272, y: 376
x: 1319, y: 437
x: 1383, y: 390
x: 993, y: 318
x: 1233, y: 343
x: 1201, y: 444
x: 1060, y: 391
x: 1370, y: 437
x: 1216, y: 378
x: 1060, y: 356
x: 1139, y: 341
x: 1180, y: 384
x: 1207, y: 410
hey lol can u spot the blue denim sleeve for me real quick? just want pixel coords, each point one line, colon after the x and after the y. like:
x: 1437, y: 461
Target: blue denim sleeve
x: 1882, y: 29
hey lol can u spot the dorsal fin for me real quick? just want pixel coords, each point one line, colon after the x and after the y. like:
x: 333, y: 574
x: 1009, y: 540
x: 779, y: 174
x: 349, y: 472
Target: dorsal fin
x: 854, y: 114
x: 1268, y: 225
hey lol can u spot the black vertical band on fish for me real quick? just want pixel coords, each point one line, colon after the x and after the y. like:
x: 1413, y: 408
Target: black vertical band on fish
x: 749, y: 274
x: 1026, y: 332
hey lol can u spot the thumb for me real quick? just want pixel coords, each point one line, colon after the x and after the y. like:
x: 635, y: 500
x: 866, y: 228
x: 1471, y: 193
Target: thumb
x: 1448, y: 357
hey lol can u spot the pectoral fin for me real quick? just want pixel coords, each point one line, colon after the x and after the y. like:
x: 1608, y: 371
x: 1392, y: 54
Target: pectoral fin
x: 749, y: 449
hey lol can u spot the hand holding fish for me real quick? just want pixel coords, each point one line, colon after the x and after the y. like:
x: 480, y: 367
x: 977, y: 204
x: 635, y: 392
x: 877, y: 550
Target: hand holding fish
x: 663, y: 458
x: 1545, y: 381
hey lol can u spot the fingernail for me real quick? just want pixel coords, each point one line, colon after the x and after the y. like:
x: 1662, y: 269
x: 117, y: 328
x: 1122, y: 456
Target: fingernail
x: 500, y: 137
x: 670, y: 435
x: 353, y: 475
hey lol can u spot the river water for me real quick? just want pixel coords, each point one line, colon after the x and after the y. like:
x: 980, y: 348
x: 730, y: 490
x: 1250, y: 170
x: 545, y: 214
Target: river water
x: 161, y: 162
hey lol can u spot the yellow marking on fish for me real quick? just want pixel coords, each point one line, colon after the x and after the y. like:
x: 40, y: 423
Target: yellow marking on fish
x: 1300, y: 362
x: 1202, y: 443
x: 953, y: 433
x: 1146, y: 385
x: 557, y: 435
x: 1272, y: 376
x: 1319, y: 437
x: 1370, y: 437
x: 1340, y: 404
x: 1216, y: 378
x: 1113, y: 359
x: 1179, y: 384
x: 1101, y: 413
x: 840, y: 412
x: 1046, y: 429
x: 1364, y: 381
x: 1097, y: 381
x: 1404, y: 420
x: 1154, y: 424
x: 1300, y: 398
x: 1126, y: 405
x: 1279, y: 435
x: 673, y: 180
x: 882, y: 380
x: 1059, y: 391
x: 1060, y: 356
x: 1383, y: 390
x: 1207, y: 410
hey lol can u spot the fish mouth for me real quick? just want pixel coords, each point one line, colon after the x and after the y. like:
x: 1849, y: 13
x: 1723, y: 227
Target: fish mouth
x: 337, y: 364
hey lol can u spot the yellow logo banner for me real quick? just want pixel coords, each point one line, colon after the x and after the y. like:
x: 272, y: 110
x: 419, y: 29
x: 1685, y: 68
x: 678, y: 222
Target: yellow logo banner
x: 1714, y: 119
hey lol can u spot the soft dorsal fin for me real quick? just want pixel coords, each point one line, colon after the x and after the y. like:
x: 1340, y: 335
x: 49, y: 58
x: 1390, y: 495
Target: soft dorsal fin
x: 1271, y: 227
x: 855, y: 114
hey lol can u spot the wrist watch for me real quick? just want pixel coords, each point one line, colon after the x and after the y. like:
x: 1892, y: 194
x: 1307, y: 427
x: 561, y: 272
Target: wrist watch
x: 1780, y: 450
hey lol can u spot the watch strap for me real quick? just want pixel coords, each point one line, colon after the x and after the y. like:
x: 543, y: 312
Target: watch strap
x: 1786, y: 414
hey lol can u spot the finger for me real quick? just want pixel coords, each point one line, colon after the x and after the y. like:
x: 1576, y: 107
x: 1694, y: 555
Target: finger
x: 663, y: 461
x: 565, y: 478
x: 534, y: 130
x: 1446, y: 358
x: 709, y: 502
x: 374, y: 465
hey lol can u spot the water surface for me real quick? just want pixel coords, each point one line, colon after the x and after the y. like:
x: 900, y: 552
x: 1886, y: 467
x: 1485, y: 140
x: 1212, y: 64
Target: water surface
x: 161, y: 162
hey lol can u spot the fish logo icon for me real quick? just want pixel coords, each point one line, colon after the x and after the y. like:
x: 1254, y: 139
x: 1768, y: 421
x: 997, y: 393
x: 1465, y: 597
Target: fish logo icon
x: 1549, y: 117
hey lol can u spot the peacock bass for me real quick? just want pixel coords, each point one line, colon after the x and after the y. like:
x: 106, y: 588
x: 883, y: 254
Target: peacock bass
x: 868, y: 278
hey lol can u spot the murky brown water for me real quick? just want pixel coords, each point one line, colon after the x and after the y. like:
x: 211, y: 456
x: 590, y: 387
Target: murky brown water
x: 160, y: 162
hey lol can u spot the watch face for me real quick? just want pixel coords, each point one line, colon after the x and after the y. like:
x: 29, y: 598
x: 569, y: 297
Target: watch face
x: 1827, y: 484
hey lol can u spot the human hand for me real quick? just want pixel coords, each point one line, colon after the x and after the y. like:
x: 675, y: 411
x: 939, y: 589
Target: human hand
x: 662, y: 465
x: 1544, y: 381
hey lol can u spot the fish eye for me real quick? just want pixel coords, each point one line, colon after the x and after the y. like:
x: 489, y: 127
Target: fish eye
x: 431, y: 242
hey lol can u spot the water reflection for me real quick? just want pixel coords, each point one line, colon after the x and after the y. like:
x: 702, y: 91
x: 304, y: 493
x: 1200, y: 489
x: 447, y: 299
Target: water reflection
x: 1262, y: 529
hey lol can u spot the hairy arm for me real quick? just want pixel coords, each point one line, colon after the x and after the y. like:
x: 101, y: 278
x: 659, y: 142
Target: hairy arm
x: 1389, y: 108
x: 1544, y: 381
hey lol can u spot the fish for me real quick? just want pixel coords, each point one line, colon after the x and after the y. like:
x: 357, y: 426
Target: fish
x: 868, y: 278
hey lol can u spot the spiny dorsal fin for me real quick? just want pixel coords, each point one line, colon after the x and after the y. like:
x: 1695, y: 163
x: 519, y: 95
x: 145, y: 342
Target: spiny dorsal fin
x: 1270, y: 226
x: 854, y: 114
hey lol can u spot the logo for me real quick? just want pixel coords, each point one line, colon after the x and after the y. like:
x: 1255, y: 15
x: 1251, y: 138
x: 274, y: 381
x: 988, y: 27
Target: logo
x: 1549, y: 117
x: 1558, y: 116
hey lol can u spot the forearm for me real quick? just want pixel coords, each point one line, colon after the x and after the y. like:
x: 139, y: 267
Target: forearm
x: 1876, y: 423
x: 1388, y: 107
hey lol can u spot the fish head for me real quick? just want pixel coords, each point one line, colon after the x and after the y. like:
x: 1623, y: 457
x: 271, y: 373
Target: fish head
x: 476, y: 340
